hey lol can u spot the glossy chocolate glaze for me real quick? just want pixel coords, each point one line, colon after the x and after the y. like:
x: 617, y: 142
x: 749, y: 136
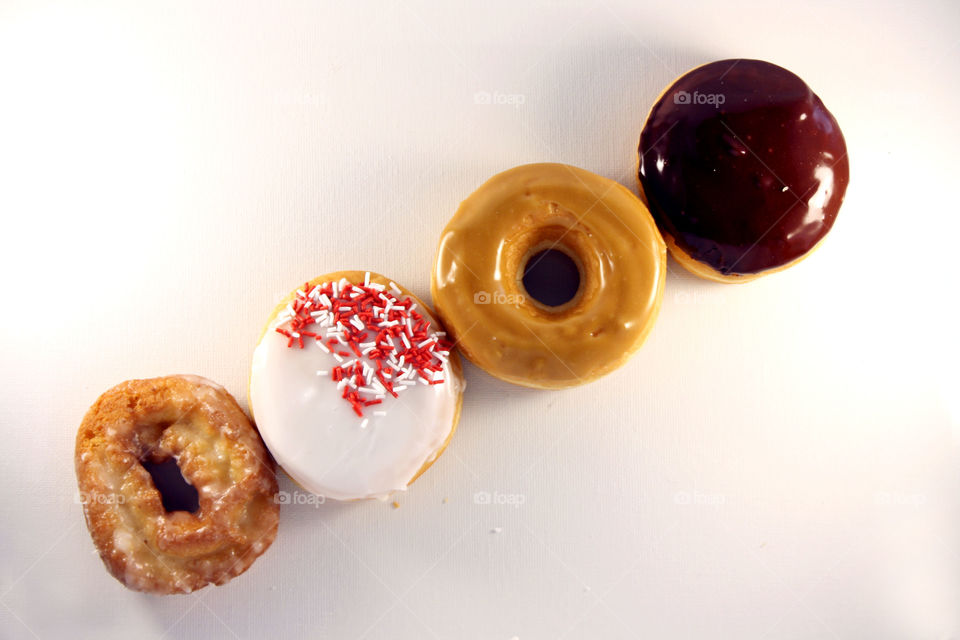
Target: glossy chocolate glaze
x: 743, y: 165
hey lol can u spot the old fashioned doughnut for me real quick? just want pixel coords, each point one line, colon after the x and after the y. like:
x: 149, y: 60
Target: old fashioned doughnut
x: 481, y: 282
x: 137, y: 426
x: 743, y: 169
x: 354, y: 386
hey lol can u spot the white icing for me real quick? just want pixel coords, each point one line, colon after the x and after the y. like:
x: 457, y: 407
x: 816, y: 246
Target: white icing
x: 318, y: 439
x: 123, y: 541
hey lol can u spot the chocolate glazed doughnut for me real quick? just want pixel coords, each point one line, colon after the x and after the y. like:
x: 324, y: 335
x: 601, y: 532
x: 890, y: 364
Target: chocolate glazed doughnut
x: 743, y: 168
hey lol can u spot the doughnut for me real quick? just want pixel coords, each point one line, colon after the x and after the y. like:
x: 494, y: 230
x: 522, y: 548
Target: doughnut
x: 743, y: 169
x: 354, y: 386
x: 184, y: 422
x: 584, y: 326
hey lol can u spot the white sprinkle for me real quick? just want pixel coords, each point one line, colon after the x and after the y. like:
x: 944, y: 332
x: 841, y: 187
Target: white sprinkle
x: 406, y: 342
x: 322, y: 373
x: 377, y: 286
x: 325, y: 300
x: 379, y: 413
x: 395, y: 288
x: 369, y: 390
x: 325, y: 348
x: 357, y: 322
x: 366, y: 421
x: 424, y: 343
x: 366, y: 279
x: 423, y: 380
x: 338, y: 357
x: 412, y: 307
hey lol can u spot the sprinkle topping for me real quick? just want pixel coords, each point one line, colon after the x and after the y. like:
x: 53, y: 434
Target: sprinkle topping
x: 382, y: 345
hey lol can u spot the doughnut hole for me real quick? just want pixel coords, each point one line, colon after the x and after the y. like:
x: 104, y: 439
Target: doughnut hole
x: 175, y: 492
x: 551, y: 270
x: 551, y: 277
x: 159, y: 442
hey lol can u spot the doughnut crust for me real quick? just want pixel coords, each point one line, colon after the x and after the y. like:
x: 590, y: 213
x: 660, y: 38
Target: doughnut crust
x: 477, y: 281
x: 200, y: 425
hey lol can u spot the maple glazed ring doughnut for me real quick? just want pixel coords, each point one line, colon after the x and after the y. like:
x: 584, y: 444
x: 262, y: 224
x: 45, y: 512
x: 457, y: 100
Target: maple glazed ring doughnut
x: 557, y: 328
x: 130, y: 440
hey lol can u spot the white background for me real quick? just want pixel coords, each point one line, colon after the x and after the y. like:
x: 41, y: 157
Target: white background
x: 780, y: 460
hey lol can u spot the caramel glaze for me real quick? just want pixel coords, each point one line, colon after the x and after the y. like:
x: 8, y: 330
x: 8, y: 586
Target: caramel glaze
x: 477, y: 281
x: 749, y: 181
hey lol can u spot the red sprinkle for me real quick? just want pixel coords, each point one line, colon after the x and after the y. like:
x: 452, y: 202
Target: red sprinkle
x: 332, y: 319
